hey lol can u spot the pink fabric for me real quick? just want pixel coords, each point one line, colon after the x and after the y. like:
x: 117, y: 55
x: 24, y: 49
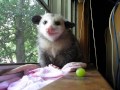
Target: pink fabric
x: 6, y: 80
x: 38, y: 78
x: 4, y: 85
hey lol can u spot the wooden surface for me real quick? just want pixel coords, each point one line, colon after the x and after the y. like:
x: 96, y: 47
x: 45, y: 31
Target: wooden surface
x: 92, y: 81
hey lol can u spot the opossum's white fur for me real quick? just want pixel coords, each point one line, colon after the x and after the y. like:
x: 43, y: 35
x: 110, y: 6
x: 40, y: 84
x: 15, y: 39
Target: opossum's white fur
x: 56, y: 44
x: 53, y: 44
x: 42, y: 29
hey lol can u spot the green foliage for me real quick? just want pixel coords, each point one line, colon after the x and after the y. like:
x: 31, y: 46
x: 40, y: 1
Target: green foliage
x: 8, y: 13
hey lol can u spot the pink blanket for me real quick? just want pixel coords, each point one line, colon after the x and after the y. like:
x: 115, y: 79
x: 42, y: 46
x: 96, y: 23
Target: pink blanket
x: 38, y: 78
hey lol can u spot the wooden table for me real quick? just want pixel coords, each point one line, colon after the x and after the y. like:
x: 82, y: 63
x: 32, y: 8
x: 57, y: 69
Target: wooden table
x: 92, y: 81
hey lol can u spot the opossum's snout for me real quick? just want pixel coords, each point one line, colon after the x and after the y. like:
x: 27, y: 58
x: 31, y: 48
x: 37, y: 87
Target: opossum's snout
x: 51, y: 31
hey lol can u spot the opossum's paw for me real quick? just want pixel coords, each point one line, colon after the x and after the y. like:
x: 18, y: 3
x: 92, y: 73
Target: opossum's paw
x: 54, y: 66
x: 72, y: 66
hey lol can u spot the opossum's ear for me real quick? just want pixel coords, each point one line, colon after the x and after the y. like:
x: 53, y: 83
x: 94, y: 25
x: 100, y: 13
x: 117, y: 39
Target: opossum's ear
x: 36, y: 19
x: 69, y: 24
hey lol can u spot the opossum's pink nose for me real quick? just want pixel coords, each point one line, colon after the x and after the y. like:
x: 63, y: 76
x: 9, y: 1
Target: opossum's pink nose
x: 51, y: 30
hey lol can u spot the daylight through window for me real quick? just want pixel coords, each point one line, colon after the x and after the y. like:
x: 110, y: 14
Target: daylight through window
x: 17, y: 33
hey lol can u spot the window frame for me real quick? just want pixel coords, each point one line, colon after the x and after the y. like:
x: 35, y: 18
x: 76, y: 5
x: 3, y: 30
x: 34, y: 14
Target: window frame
x: 45, y: 6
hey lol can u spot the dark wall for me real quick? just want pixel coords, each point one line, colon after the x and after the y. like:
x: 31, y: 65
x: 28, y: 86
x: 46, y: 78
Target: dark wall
x: 101, y: 11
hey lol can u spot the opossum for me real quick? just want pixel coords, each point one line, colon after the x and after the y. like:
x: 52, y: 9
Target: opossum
x: 56, y: 43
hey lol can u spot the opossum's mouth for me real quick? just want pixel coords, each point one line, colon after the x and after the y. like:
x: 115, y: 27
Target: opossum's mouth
x: 52, y: 32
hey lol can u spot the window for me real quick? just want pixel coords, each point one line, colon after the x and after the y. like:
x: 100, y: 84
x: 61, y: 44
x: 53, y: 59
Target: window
x: 62, y: 7
x: 46, y: 1
x: 17, y: 33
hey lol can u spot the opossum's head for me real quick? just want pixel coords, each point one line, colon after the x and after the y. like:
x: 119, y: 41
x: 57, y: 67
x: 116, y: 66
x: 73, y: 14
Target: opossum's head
x: 51, y: 26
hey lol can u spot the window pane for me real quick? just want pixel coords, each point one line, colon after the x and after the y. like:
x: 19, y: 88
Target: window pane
x: 17, y: 33
x: 46, y: 1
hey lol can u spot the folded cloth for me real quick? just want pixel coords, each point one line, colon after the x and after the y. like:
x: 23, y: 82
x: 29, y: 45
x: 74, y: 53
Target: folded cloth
x: 40, y: 77
x: 4, y: 85
x: 37, y: 78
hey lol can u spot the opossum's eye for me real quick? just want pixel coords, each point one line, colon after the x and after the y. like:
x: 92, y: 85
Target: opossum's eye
x: 57, y: 22
x: 44, y: 22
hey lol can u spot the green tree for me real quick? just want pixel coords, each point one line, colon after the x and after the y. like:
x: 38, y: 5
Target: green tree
x: 17, y: 33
